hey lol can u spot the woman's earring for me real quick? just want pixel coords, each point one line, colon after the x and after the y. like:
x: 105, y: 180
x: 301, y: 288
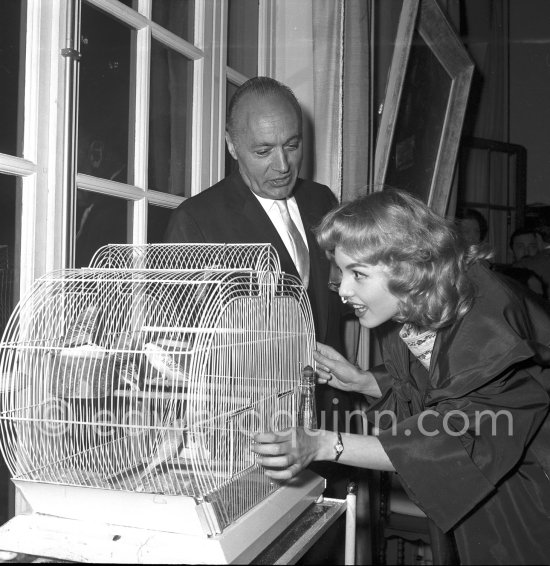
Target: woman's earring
x: 344, y: 300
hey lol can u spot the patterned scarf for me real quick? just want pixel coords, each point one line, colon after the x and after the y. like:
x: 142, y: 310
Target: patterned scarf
x: 419, y: 342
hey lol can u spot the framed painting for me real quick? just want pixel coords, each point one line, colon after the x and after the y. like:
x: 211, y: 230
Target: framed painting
x: 424, y: 106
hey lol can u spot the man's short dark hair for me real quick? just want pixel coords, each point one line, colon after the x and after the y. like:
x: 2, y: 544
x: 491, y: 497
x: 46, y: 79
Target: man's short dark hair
x: 521, y: 232
x: 260, y: 87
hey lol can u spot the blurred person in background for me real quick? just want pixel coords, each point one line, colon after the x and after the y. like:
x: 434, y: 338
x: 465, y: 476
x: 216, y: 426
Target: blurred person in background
x: 472, y: 225
x: 539, y: 263
x: 524, y: 242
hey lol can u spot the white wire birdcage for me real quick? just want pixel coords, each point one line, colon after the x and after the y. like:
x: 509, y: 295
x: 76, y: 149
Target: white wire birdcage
x: 146, y: 380
x: 259, y: 257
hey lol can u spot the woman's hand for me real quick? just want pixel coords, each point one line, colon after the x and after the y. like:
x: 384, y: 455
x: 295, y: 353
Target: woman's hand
x: 334, y: 369
x: 285, y: 453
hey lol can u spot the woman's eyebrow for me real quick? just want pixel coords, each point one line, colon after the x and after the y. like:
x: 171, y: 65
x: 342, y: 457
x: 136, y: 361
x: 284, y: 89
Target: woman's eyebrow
x: 355, y: 265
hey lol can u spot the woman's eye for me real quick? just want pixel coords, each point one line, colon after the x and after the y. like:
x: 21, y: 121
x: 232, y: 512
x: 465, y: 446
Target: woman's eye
x: 358, y: 275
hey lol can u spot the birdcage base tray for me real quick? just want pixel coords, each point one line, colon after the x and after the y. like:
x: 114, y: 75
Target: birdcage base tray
x: 84, y: 540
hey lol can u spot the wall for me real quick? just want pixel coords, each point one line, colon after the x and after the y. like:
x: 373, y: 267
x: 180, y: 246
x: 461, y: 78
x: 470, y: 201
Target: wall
x: 529, y: 71
x: 530, y: 91
x: 294, y: 65
x: 308, y: 53
x: 529, y: 83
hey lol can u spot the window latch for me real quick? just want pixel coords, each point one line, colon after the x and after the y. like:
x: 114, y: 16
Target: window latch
x: 71, y: 54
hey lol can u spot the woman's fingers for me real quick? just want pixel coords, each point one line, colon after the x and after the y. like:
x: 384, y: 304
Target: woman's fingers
x: 284, y: 461
x: 264, y: 439
x: 335, y: 369
x: 283, y: 466
x: 323, y: 348
x: 283, y: 454
x: 285, y: 474
x: 270, y: 449
x: 327, y: 351
x: 323, y: 369
x: 274, y: 454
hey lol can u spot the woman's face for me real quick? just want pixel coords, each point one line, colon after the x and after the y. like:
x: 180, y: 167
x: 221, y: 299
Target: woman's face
x: 365, y: 289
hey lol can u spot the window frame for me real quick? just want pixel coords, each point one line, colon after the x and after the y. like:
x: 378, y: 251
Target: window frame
x: 46, y: 171
x: 427, y: 19
x: 208, y: 122
x: 47, y: 186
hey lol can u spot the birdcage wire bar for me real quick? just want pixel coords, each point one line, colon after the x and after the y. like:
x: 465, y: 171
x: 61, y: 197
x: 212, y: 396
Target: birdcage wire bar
x: 258, y: 257
x: 151, y: 380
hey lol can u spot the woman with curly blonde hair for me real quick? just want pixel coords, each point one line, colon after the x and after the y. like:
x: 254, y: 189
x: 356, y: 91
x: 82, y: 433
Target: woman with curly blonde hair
x: 460, y: 403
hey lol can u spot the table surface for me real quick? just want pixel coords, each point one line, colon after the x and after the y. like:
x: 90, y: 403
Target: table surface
x: 297, y: 539
x: 289, y: 547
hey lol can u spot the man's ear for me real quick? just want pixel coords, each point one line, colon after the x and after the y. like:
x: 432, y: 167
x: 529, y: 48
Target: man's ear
x: 230, y: 146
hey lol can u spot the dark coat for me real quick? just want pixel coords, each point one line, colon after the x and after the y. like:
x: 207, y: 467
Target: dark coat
x: 490, y: 487
x: 229, y: 213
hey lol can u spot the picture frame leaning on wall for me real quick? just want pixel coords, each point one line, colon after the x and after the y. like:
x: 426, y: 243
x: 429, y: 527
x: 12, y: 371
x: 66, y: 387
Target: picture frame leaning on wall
x: 424, y: 106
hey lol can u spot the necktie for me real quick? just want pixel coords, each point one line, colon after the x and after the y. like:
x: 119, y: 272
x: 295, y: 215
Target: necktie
x: 300, y: 251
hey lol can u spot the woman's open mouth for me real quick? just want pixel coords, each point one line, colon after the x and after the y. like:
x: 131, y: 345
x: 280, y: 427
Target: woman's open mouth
x: 358, y: 309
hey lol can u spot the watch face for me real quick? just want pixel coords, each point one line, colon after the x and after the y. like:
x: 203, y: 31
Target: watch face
x: 339, y: 447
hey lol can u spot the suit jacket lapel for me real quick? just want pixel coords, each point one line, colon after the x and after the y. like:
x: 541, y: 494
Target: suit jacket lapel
x: 260, y: 229
x: 259, y: 226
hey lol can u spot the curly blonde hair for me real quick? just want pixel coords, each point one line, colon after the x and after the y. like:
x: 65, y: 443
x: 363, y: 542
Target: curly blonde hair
x: 425, y: 257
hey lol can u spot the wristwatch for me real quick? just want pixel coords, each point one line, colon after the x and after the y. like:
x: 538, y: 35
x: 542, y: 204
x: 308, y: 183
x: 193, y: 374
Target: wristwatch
x: 339, y: 447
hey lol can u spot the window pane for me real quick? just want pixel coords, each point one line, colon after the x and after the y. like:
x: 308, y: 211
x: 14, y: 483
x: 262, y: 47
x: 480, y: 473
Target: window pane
x: 100, y: 220
x: 9, y: 253
x: 230, y: 163
x: 170, y: 120
x: 419, y: 123
x: 242, y: 36
x: 104, y: 99
x: 158, y: 217
x: 177, y: 16
x: 12, y: 59
x: 8, y: 242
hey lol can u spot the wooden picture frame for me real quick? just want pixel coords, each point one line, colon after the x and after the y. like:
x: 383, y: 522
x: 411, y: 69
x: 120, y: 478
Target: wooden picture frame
x: 424, y: 107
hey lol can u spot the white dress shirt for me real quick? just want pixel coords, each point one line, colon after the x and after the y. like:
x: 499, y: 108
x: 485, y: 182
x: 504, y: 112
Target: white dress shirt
x: 274, y: 214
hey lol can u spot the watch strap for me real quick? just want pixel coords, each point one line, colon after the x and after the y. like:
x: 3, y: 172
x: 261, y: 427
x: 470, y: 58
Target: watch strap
x: 338, y: 447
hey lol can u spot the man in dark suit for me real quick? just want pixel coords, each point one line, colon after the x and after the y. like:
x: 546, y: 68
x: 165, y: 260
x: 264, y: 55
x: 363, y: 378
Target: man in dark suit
x: 264, y: 136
